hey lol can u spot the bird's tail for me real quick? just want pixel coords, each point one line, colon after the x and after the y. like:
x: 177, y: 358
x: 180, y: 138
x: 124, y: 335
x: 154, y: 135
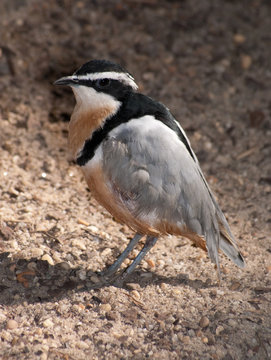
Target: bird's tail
x: 227, y: 242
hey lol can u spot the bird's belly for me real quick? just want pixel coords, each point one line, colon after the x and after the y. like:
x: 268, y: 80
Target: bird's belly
x: 112, y: 200
x: 106, y: 195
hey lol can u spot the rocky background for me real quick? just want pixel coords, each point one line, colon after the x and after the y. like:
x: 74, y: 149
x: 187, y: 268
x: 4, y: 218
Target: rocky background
x: 209, y: 62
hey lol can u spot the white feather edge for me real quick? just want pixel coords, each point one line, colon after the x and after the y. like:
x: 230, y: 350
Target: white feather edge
x: 125, y: 78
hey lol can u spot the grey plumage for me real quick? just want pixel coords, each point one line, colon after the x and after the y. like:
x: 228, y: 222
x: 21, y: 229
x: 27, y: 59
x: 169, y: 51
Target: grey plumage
x: 140, y: 166
x: 158, y: 181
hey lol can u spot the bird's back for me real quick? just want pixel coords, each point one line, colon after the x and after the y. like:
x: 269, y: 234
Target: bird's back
x: 156, y: 177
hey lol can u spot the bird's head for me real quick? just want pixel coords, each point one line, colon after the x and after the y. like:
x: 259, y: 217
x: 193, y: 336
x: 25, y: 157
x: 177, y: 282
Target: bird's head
x: 99, y: 83
x: 100, y: 88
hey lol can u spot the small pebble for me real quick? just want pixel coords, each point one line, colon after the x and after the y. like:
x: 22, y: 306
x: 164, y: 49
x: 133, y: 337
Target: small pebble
x: 132, y: 286
x: 94, y: 279
x: 235, y: 286
x: 111, y: 315
x: 57, y: 258
x: 151, y: 263
x: 225, y: 270
x: 204, y: 322
x: 12, y: 324
x: 106, y: 252
x: 126, y: 262
x: 44, y: 356
x: 219, y: 330
x: 160, y: 263
x: 176, y: 292
x: 205, y: 340
x: 79, y: 244
x: 6, y: 335
x: 117, y: 335
x: 48, y: 323
x: 146, y: 275
x: 78, y: 307
x: 39, y: 331
x: 48, y: 258
x: 186, y: 339
x: 13, y: 244
x: 135, y: 294
x: 36, y: 252
x: 2, y: 317
x: 105, y: 307
x: 239, y: 39
x: 246, y: 62
x: 12, y: 267
x: 105, y: 235
x: 82, y: 274
x: 213, y: 292
x: 232, y: 323
x: 163, y: 286
x: 82, y: 345
x: 250, y: 353
x: 42, y: 227
x: 32, y: 266
x: 64, y: 265
x: 211, y: 339
x: 93, y: 229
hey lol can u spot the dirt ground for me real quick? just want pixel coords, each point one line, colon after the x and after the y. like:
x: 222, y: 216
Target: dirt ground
x: 209, y: 62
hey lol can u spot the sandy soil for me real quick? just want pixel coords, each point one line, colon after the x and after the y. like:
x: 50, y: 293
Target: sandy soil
x: 209, y: 62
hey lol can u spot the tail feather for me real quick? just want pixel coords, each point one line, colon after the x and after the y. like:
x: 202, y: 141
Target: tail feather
x: 229, y: 247
x: 226, y: 242
x: 233, y: 253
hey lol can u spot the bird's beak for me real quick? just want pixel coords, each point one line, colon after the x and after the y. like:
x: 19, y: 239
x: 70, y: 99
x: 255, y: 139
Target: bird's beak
x: 67, y: 80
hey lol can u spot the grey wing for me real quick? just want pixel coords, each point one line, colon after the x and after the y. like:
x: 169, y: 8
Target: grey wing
x: 158, y: 180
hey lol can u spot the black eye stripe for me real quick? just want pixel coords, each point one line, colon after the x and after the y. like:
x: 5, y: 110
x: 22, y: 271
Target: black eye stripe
x: 113, y: 87
x: 102, y: 82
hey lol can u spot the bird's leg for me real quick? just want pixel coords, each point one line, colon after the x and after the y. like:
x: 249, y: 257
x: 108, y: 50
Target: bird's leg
x: 150, y: 242
x: 116, y: 265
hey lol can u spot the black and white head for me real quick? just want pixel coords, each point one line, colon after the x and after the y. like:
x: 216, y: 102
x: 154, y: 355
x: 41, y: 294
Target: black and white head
x: 99, y: 83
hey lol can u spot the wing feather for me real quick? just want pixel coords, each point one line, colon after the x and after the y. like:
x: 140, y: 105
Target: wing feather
x: 158, y: 181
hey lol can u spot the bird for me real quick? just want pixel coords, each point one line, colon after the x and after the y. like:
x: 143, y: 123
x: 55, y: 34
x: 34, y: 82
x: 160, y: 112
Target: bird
x: 139, y: 165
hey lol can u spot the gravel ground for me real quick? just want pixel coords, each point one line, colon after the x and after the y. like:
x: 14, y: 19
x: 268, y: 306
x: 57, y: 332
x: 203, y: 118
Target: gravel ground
x: 209, y: 62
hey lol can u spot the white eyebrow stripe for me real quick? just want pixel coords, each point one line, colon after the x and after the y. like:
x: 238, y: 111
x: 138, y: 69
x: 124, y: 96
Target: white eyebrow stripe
x: 125, y: 78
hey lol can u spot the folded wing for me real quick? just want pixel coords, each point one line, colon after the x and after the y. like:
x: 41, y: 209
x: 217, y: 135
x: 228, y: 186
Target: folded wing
x: 157, y: 180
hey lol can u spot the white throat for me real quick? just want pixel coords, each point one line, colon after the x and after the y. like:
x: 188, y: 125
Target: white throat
x: 88, y: 99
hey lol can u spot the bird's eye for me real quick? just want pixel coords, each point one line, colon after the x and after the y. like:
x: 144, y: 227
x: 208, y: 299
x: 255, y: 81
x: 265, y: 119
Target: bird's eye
x: 102, y: 82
